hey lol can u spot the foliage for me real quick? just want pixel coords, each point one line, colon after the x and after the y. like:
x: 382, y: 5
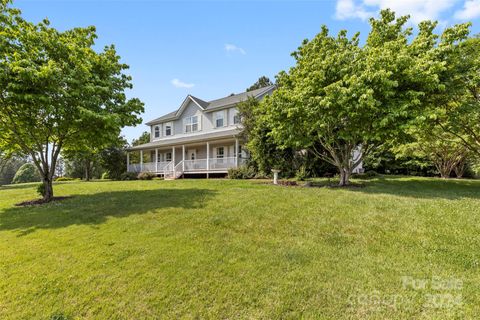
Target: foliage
x: 58, y: 92
x: 65, y: 179
x: 262, y: 82
x: 366, y: 175
x: 265, y: 154
x: 383, y: 160
x: 41, y: 189
x: 144, y: 138
x: 106, y: 176
x: 27, y: 173
x: 457, y: 108
x: 128, y: 176
x: 242, y: 172
x: 146, y: 176
x: 345, y: 97
x: 113, y: 159
x: 444, y: 150
x: 10, y: 166
x: 301, y: 174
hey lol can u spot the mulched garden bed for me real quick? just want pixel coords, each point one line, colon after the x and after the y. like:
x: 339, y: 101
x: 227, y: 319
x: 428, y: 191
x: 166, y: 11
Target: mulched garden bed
x: 38, y: 202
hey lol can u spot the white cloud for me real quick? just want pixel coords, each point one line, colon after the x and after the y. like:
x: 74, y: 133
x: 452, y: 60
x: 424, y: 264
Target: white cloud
x: 470, y: 10
x: 234, y: 48
x: 346, y: 9
x: 419, y: 10
x: 180, y: 84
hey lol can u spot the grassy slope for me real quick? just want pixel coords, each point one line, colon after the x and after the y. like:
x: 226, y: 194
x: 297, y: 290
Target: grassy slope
x: 238, y: 249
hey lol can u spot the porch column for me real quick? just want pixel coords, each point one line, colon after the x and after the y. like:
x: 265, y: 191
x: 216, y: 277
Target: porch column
x: 236, y: 152
x: 128, y: 161
x: 183, y: 157
x: 141, y: 160
x: 173, y: 159
x: 208, y: 157
x: 156, y: 160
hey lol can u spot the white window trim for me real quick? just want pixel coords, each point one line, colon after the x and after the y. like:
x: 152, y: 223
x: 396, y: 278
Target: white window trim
x: 155, y: 128
x: 224, y: 118
x: 165, y: 125
x: 189, y: 122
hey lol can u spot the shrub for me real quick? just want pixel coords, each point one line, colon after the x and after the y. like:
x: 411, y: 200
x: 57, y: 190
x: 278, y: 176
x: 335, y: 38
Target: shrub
x: 146, y: 176
x: 27, y: 173
x: 301, y: 174
x: 242, y: 172
x: 367, y: 175
x: 41, y: 189
x: 65, y: 179
x: 128, y: 176
x: 105, y: 175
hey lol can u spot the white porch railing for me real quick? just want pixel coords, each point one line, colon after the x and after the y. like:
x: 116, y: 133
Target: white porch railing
x: 167, y: 168
x: 222, y: 163
x: 193, y: 165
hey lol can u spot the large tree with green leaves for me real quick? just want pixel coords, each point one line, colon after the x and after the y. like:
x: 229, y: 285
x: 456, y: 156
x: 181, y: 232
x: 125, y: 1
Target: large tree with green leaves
x: 343, y: 96
x: 457, y: 108
x: 262, y: 82
x: 57, y: 92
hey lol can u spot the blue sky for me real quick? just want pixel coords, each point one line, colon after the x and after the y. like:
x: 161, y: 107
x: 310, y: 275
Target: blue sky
x: 211, y: 49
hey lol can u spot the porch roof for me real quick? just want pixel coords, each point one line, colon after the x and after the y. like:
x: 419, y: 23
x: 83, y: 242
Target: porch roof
x: 208, y: 136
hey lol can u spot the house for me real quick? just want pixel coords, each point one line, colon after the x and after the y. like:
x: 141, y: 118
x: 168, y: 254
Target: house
x: 200, y: 137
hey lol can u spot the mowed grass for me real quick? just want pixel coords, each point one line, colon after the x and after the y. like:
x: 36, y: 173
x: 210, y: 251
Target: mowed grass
x: 223, y: 249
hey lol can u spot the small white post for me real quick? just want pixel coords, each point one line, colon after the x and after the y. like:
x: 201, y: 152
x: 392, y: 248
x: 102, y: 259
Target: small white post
x: 173, y: 159
x: 208, y: 157
x: 156, y: 160
x: 141, y: 160
x: 183, y: 157
x: 128, y: 161
x: 275, y: 176
x: 236, y: 153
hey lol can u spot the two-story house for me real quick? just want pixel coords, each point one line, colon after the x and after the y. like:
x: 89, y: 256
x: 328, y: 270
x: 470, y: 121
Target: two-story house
x: 200, y: 137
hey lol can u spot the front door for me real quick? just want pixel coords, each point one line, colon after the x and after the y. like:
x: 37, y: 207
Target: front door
x: 191, y: 154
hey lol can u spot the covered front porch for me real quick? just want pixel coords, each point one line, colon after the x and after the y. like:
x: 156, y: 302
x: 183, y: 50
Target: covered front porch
x: 209, y: 157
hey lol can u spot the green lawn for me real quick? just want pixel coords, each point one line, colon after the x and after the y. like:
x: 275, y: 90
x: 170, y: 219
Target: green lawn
x: 242, y: 250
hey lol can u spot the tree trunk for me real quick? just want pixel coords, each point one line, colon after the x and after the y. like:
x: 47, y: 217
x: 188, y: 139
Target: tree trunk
x: 48, y: 189
x: 87, y: 170
x: 460, y: 169
x: 344, y: 177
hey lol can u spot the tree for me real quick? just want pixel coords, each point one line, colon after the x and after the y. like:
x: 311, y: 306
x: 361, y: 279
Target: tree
x: 345, y: 97
x: 457, y: 108
x: 444, y: 150
x: 9, y: 166
x: 27, y: 173
x: 57, y: 92
x: 114, y: 159
x: 144, y: 138
x: 261, y: 82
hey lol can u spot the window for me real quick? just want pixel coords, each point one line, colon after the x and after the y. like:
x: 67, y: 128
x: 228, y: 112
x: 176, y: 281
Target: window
x: 168, y: 129
x: 191, y: 124
x: 157, y: 131
x: 219, y: 118
x: 159, y: 157
x: 236, y: 118
x: 220, y: 152
x: 168, y: 156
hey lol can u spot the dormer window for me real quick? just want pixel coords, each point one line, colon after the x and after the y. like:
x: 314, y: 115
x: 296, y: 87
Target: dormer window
x: 191, y: 124
x: 236, y: 118
x: 219, y: 117
x: 157, y: 132
x: 168, y: 129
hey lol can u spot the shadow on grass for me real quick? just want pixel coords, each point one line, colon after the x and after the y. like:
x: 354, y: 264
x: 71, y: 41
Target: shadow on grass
x: 422, y: 188
x: 96, y: 208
